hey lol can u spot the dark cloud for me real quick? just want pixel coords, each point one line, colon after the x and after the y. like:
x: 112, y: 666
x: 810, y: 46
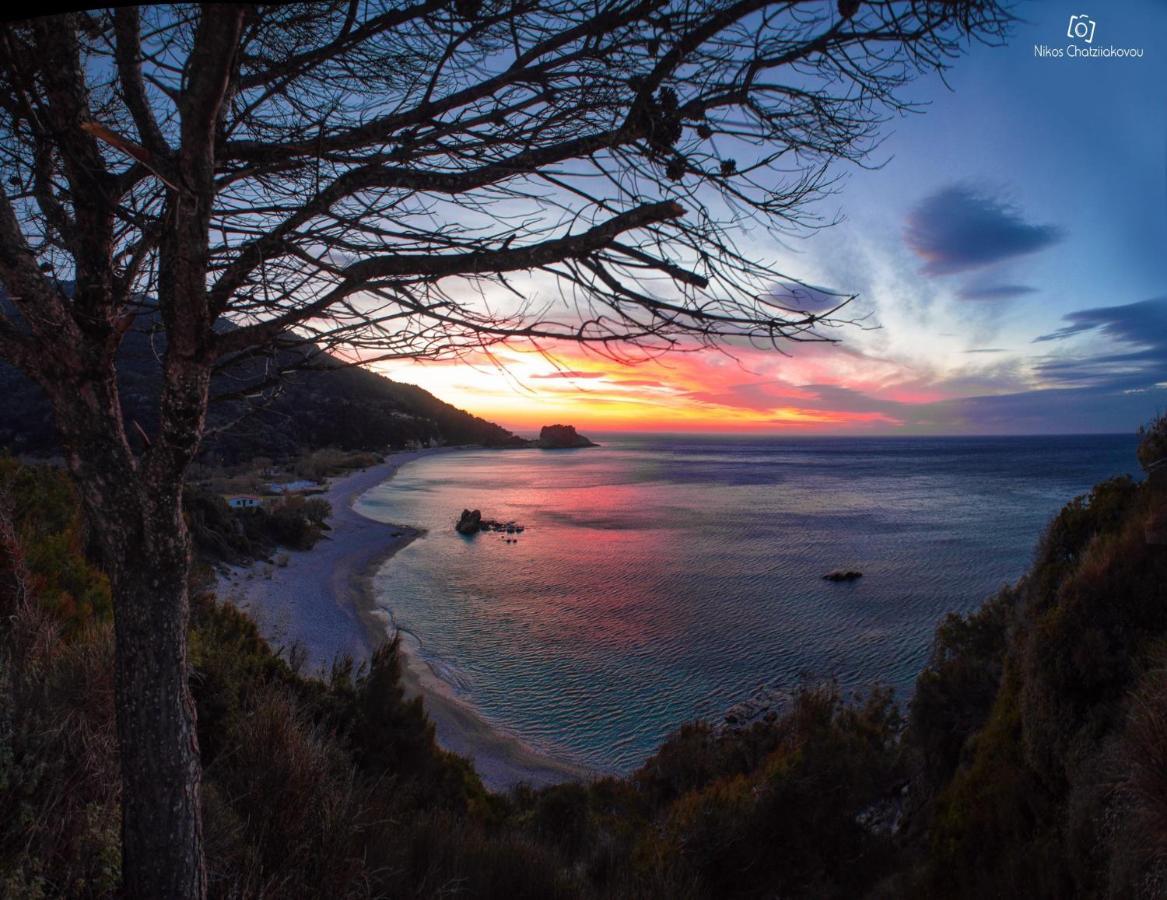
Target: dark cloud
x: 996, y: 292
x: 1065, y: 410
x: 1142, y: 322
x: 836, y: 398
x: 804, y: 297
x: 567, y: 373
x: 1051, y: 411
x: 960, y: 228
x: 1138, y: 362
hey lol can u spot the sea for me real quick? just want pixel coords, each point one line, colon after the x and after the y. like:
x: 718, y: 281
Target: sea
x: 662, y: 579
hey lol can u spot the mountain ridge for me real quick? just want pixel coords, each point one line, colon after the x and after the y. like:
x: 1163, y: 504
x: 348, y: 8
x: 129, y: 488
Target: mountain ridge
x: 330, y: 403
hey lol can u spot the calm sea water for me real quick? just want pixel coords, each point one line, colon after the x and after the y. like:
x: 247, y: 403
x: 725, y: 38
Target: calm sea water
x: 663, y: 579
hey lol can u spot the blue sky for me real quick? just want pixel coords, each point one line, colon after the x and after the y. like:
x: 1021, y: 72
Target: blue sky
x: 1010, y: 255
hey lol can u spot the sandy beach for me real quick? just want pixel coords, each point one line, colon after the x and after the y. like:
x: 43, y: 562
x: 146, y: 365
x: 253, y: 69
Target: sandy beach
x: 322, y: 602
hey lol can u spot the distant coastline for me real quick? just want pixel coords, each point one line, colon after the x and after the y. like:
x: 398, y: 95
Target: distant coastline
x: 323, y: 601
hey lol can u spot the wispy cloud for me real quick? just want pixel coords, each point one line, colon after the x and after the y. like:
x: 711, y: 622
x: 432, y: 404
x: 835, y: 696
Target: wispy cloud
x: 1136, y: 355
x: 961, y: 227
x: 565, y: 373
x: 995, y: 292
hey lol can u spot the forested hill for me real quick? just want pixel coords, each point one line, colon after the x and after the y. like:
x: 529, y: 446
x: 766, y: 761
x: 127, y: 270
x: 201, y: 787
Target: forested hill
x: 329, y: 405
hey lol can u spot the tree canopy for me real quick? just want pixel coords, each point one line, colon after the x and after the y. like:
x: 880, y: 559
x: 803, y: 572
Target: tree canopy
x: 377, y: 171
x: 390, y: 179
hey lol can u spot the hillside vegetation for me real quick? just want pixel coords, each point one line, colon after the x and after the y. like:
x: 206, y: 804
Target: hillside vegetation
x: 325, y: 404
x: 1032, y: 761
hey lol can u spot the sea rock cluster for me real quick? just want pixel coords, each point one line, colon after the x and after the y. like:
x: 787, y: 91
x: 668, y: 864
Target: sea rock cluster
x: 842, y: 575
x: 471, y: 522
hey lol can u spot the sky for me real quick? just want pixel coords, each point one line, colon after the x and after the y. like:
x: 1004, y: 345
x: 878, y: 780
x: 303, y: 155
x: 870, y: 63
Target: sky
x: 1009, y: 257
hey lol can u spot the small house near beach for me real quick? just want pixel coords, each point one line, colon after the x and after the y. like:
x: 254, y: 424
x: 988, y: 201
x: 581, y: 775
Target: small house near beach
x: 243, y: 501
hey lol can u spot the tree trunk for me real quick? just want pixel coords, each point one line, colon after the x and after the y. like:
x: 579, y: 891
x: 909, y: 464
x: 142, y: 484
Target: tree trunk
x: 161, y: 771
x: 135, y: 513
x: 69, y: 344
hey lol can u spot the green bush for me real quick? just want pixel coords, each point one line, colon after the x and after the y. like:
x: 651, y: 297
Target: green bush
x: 41, y: 521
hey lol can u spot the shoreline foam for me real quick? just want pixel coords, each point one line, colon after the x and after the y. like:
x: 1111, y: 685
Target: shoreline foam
x: 323, y: 601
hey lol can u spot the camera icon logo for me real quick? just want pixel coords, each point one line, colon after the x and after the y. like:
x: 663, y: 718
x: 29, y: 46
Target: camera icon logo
x: 1082, y: 28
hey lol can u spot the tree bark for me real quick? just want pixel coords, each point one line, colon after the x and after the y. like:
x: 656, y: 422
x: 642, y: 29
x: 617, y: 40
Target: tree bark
x: 161, y: 771
x: 135, y: 511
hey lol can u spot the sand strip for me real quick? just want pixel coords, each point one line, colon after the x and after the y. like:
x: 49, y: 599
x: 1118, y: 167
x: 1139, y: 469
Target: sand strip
x: 322, y: 601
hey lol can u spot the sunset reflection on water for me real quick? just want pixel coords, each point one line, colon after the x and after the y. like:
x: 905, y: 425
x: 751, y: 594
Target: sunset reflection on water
x: 662, y: 579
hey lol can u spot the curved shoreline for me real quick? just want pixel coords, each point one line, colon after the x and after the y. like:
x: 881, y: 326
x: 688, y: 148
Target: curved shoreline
x: 323, y: 601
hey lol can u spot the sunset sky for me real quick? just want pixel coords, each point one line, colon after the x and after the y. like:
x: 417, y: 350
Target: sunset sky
x: 1009, y: 261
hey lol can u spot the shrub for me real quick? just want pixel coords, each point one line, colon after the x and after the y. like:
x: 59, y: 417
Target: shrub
x: 59, y: 779
x: 955, y: 693
x: 780, y: 829
x: 41, y: 522
x: 990, y: 834
x: 320, y: 464
x: 1152, y: 448
x: 697, y: 755
x: 216, y: 530
x: 447, y: 856
x: 291, y: 799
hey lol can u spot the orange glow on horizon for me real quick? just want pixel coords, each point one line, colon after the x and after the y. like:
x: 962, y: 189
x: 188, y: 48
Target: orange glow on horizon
x: 821, y: 389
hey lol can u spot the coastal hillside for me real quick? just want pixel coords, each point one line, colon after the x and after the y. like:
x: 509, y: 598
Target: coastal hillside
x: 325, y: 404
x: 1030, y: 762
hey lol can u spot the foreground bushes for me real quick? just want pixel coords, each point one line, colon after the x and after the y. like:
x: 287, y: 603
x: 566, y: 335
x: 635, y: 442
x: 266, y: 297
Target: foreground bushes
x: 1031, y: 762
x: 780, y: 828
x: 1045, y: 791
x: 60, y: 828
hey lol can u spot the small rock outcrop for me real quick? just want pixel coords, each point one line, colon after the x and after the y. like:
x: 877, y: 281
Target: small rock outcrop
x: 842, y: 575
x: 764, y: 706
x: 469, y: 522
x: 562, y: 437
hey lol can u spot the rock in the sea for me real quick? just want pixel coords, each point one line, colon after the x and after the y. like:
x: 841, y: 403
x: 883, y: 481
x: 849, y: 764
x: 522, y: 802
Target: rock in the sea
x: 842, y: 575
x: 562, y: 437
x: 469, y: 522
x: 763, y: 706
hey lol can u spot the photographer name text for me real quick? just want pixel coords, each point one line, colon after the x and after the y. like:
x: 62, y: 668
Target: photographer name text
x: 1081, y: 28
x: 1074, y: 51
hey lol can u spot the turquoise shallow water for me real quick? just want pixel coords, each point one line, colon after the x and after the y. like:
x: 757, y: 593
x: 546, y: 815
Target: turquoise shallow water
x: 663, y: 579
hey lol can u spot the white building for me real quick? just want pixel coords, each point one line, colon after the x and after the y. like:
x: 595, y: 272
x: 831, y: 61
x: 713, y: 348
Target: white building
x: 243, y: 501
